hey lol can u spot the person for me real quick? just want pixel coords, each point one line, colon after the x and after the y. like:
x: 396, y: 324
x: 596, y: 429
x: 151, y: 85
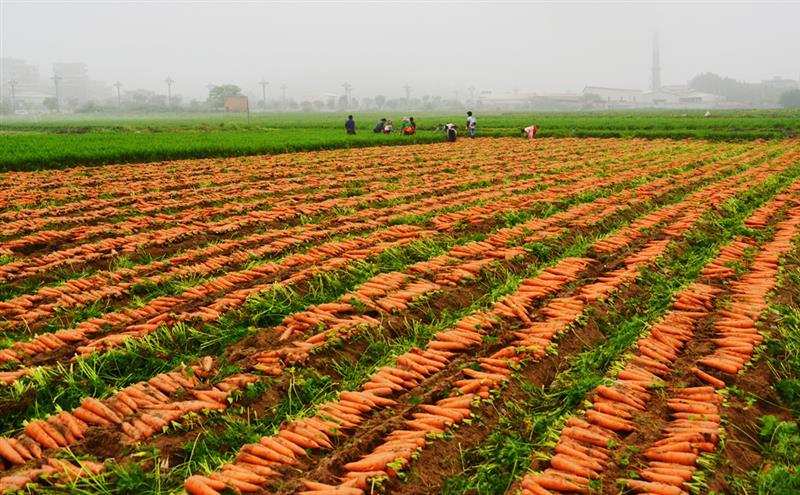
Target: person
x: 388, y: 128
x: 472, y: 123
x: 413, y: 125
x: 350, y: 125
x: 406, y: 128
x: 379, y: 126
x: 451, y: 131
x: 529, y: 131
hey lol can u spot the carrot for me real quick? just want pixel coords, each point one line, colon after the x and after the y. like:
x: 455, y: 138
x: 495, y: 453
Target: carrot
x: 616, y: 395
x: 683, y: 474
x: 607, y: 421
x: 242, y: 474
x: 373, y: 462
x: 299, y: 440
x: 9, y: 453
x: 653, y: 487
x: 564, y: 463
x: 35, y: 431
x: 89, y: 417
x: 529, y: 483
x: 239, y: 485
x: 719, y: 364
x: 20, y: 448
x: 555, y: 483
x: 684, y: 458
x: 581, y: 435
x: 610, y: 408
x: 450, y: 413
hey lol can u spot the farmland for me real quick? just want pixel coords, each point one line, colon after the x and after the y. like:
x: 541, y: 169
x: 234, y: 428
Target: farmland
x: 34, y: 142
x: 494, y: 316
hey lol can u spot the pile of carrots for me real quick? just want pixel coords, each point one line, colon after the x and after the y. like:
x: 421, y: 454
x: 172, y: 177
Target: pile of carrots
x: 53, y: 469
x: 693, y: 430
x: 737, y: 335
x: 581, y: 454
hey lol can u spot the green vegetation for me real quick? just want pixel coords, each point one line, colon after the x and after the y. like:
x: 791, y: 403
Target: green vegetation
x: 30, y: 143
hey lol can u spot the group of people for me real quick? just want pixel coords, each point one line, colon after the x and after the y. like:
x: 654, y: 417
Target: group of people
x: 408, y: 127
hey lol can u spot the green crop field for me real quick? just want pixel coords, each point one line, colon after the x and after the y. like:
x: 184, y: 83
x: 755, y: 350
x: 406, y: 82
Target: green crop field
x: 34, y: 142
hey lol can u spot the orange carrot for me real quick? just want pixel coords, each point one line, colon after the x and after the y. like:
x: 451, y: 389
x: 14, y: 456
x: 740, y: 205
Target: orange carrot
x: 9, y: 453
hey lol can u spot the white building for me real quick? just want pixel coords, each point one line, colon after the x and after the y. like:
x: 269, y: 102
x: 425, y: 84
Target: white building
x: 680, y: 97
x: 613, y: 97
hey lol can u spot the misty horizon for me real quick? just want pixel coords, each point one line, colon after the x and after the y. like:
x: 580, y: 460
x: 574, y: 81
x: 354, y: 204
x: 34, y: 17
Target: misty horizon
x: 439, y: 48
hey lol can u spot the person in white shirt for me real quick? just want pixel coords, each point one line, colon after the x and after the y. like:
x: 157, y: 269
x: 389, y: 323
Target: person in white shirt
x: 472, y: 123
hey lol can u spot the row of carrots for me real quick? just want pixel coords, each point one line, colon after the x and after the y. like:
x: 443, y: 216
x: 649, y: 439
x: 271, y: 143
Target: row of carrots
x: 737, y: 335
x: 495, y: 369
x: 556, y: 309
x: 123, y: 180
x: 582, y: 454
x: 156, y: 312
x: 348, y: 411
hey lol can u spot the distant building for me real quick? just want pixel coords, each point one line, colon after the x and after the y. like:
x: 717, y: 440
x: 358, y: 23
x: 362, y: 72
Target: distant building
x: 680, y: 96
x: 24, y: 76
x: 613, y: 97
x: 236, y: 104
x: 779, y: 84
x: 73, y: 82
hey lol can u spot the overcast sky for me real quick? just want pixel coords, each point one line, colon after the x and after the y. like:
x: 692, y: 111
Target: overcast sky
x: 436, y: 47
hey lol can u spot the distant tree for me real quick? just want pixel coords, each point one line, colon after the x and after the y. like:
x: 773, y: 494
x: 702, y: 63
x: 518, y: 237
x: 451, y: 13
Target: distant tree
x: 306, y: 106
x: 50, y: 103
x: 319, y: 105
x: 730, y: 88
x: 380, y: 101
x: 5, y: 107
x: 217, y: 95
x: 790, y: 99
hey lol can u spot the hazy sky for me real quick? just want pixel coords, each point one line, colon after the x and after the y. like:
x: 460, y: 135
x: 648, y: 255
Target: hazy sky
x: 436, y: 47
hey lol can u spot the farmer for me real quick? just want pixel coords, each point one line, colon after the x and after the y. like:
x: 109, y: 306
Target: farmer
x: 406, y: 129
x: 413, y: 124
x: 529, y: 132
x: 472, y: 123
x: 379, y: 126
x: 350, y: 125
x: 388, y: 127
x: 452, y: 133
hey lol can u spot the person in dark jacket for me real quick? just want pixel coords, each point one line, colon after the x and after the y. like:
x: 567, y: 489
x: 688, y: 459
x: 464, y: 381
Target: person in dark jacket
x: 350, y: 125
x: 379, y: 126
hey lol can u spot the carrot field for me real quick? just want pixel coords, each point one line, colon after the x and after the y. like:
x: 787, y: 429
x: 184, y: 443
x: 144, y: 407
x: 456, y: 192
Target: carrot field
x: 492, y: 316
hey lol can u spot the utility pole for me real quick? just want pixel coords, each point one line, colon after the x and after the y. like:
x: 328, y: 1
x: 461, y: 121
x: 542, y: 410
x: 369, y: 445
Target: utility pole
x: 408, y: 93
x: 263, y: 84
x: 13, y: 84
x: 283, y: 95
x: 347, y: 88
x: 56, y: 79
x: 118, y: 85
x: 169, y: 82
